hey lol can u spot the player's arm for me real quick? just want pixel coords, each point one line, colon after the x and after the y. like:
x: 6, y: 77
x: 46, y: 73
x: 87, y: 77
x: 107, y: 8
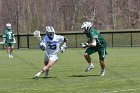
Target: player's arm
x: 89, y: 44
x: 4, y: 36
x: 93, y: 43
x: 14, y: 40
x: 64, y: 46
x: 43, y: 44
x: 42, y: 40
x: 65, y: 41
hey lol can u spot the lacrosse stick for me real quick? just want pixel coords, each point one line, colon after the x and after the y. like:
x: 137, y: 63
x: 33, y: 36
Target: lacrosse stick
x: 37, y: 35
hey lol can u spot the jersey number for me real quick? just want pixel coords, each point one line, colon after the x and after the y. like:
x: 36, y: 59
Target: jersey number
x: 53, y: 47
x: 9, y: 35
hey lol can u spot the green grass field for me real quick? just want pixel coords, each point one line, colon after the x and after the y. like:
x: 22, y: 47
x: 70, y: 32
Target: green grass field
x: 68, y: 76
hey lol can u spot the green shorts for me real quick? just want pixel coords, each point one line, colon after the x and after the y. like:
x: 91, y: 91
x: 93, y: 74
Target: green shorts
x: 101, y: 51
x: 9, y: 44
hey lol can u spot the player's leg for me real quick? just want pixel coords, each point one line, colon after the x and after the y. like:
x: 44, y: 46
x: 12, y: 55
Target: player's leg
x: 87, y: 54
x: 46, y: 72
x: 8, y: 50
x: 101, y: 53
x: 11, y: 49
x: 49, y: 62
x: 45, y: 68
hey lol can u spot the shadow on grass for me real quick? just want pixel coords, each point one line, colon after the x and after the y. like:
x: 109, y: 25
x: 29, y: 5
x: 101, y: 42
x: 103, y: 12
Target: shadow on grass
x: 83, y: 75
x: 44, y: 77
x: 47, y: 77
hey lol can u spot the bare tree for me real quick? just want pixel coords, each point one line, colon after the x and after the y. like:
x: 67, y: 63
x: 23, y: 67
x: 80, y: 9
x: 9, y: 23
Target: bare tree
x: 67, y: 15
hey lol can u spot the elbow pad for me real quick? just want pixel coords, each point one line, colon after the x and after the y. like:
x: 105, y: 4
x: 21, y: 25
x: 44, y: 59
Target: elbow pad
x: 65, y: 39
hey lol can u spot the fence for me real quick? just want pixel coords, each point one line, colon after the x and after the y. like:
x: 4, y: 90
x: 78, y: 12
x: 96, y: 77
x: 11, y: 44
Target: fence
x: 114, y: 39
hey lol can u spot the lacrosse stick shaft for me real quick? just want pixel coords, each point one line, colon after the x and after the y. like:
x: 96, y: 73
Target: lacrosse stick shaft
x: 37, y: 35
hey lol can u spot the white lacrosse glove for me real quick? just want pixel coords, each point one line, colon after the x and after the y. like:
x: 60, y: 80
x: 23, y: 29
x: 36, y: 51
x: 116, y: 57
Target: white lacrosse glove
x: 42, y: 46
x: 14, y: 41
x: 2, y: 43
x: 84, y: 45
x: 4, y: 40
x: 62, y: 48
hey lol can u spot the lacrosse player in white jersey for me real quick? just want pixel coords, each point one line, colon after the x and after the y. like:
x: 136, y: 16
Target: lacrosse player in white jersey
x: 51, y: 43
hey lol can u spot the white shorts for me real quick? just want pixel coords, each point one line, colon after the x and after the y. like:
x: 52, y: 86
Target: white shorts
x: 52, y: 57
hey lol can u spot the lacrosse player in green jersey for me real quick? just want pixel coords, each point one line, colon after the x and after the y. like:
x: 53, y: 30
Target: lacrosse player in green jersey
x: 9, y: 39
x: 95, y: 43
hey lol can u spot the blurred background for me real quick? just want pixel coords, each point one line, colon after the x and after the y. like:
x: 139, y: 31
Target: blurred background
x: 118, y: 20
x: 68, y: 15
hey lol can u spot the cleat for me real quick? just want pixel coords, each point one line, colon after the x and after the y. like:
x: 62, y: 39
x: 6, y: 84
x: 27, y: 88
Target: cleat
x: 37, y: 75
x: 46, y: 74
x: 11, y: 56
x: 89, y: 68
x: 102, y: 73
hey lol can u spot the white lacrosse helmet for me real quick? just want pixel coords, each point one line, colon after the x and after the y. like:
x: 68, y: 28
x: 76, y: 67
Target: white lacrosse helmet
x: 8, y: 25
x: 87, y: 25
x: 50, y: 31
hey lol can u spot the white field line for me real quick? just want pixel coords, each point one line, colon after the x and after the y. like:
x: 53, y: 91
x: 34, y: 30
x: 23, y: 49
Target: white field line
x: 115, y: 91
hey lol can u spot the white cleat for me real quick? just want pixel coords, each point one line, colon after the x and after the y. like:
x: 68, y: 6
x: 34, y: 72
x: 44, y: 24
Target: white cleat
x: 89, y: 68
x: 102, y: 73
x: 37, y: 75
x: 11, y: 56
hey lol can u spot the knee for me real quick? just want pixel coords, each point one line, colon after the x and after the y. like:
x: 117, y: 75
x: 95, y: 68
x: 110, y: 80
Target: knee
x: 101, y: 60
x: 86, y: 55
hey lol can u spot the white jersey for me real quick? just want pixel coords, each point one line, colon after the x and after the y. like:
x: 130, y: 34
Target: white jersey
x: 52, y: 46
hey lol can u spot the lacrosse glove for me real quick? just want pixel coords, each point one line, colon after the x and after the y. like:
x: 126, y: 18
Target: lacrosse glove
x: 62, y: 48
x: 84, y: 45
x: 42, y: 46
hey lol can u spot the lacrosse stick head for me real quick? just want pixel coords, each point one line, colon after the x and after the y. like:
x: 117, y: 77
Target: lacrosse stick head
x: 37, y: 34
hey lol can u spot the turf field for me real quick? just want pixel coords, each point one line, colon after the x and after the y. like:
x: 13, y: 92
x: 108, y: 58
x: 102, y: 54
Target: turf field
x: 68, y: 76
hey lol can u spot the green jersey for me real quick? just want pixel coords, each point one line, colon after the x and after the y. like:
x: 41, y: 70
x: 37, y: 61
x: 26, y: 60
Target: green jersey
x: 94, y: 34
x: 8, y: 35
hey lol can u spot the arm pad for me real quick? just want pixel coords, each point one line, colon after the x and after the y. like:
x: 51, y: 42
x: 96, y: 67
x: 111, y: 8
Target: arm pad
x: 65, y: 39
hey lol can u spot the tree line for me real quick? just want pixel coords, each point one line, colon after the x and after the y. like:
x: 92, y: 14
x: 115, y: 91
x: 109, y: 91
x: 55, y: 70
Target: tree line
x: 68, y: 15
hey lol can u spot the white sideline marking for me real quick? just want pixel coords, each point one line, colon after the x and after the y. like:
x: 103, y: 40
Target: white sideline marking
x: 119, y: 91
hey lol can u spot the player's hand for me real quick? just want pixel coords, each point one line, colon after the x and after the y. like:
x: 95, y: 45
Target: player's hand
x: 84, y: 45
x: 14, y: 42
x: 42, y: 46
x: 2, y: 42
x: 62, y: 48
